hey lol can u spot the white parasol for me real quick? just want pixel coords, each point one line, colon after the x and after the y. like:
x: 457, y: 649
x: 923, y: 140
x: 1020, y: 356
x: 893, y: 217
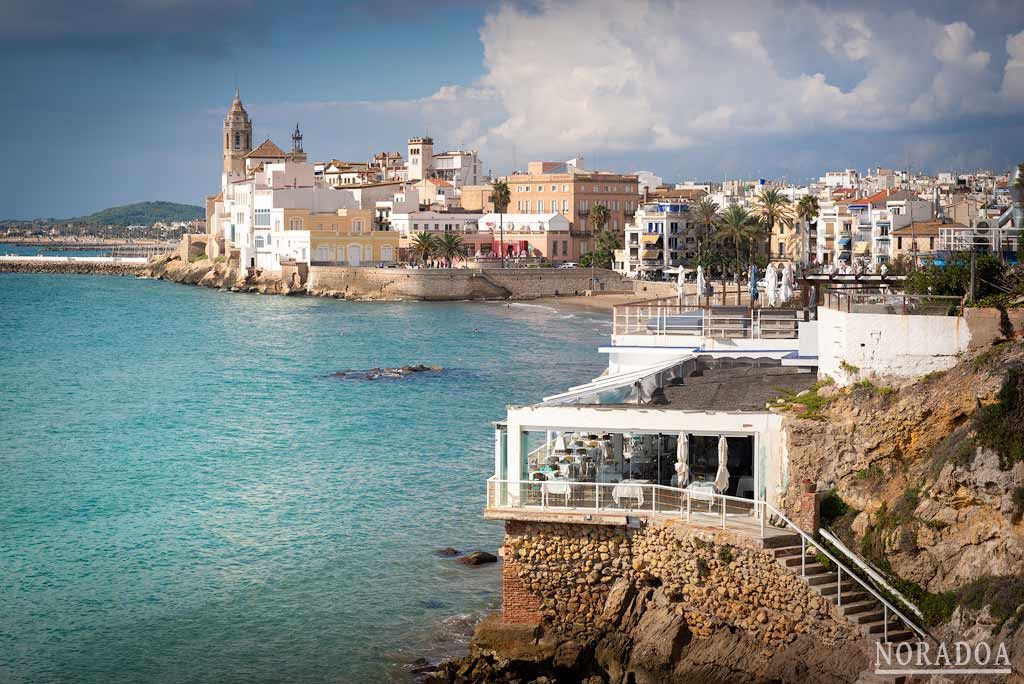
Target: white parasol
x: 722, y: 476
x: 682, y: 460
x: 701, y: 283
x: 681, y: 282
x: 771, y: 282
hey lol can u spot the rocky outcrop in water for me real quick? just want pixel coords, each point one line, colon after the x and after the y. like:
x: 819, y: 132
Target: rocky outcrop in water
x: 385, y: 373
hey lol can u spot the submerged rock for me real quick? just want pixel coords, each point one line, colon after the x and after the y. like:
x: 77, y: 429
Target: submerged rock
x: 387, y: 373
x: 447, y: 552
x: 477, y: 558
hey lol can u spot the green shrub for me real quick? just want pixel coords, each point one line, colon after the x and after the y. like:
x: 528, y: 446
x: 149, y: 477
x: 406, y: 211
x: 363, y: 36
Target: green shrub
x: 873, y: 473
x: 725, y: 554
x: 849, y: 367
x: 1000, y: 426
x: 197, y: 257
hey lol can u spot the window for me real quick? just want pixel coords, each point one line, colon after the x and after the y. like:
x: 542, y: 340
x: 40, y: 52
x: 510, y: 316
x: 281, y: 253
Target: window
x: 540, y: 188
x: 554, y: 188
x: 565, y: 188
x: 262, y: 217
x: 259, y: 242
x: 565, y: 247
x: 583, y: 205
x: 780, y: 249
x: 415, y: 226
x: 931, y: 243
x: 526, y: 188
x: 540, y: 206
x: 296, y: 224
x: 554, y: 248
x: 386, y: 253
x: 357, y: 226
x: 899, y: 242
x: 319, y: 226
x: 565, y: 206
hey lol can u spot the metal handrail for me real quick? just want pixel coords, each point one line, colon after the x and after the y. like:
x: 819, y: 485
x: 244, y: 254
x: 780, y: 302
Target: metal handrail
x: 805, y: 538
x: 705, y: 497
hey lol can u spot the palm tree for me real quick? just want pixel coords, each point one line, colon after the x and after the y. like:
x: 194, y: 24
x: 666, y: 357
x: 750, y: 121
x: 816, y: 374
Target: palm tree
x: 706, y: 212
x: 807, y: 210
x: 501, y: 197
x: 737, y: 227
x: 599, y: 217
x: 773, y: 208
x: 450, y: 248
x: 424, y: 246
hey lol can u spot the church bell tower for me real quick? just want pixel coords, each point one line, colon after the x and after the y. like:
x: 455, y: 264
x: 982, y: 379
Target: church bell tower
x: 237, y: 137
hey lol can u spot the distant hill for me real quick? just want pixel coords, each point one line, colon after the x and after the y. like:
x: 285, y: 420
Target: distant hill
x: 142, y: 213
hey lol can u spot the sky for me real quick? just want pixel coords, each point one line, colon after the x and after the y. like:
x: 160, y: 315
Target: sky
x: 119, y: 101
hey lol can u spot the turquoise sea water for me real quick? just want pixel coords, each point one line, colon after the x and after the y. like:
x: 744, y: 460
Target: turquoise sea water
x: 187, y: 496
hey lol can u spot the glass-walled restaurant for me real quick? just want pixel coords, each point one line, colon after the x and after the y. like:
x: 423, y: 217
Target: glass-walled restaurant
x: 696, y: 425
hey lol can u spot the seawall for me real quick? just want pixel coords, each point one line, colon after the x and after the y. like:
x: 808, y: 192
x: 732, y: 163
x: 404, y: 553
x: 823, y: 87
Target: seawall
x: 76, y: 265
x: 458, y: 284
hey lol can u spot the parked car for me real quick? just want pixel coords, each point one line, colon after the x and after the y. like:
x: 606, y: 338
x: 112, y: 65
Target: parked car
x: 569, y: 264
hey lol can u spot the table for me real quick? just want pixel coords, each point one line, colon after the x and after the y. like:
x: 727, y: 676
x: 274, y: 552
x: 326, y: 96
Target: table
x: 702, y: 491
x: 630, y: 489
x: 558, y: 488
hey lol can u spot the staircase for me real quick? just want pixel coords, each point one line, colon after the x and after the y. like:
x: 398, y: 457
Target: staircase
x: 853, y: 601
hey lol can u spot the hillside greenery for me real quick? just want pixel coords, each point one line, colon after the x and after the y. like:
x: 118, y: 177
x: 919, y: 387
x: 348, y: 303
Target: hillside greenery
x: 139, y: 213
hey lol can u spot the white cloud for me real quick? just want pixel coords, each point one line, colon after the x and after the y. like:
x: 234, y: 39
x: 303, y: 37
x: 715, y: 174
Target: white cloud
x: 586, y: 76
x: 1013, y: 77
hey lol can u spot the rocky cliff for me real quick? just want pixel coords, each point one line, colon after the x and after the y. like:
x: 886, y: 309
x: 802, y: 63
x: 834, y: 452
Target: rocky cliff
x: 927, y: 483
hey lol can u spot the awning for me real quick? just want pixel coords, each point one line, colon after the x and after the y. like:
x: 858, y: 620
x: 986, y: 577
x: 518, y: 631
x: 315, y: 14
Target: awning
x: 844, y: 242
x: 862, y: 248
x: 649, y: 238
x: 650, y: 254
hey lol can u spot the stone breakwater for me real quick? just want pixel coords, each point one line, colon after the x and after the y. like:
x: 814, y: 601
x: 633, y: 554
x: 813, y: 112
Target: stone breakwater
x: 71, y: 267
x: 219, y: 275
x: 662, y: 603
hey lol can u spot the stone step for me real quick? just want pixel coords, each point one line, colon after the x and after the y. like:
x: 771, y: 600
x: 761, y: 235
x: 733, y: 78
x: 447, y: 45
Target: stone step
x: 859, y: 607
x: 829, y: 578
x: 869, y: 616
x: 781, y: 541
x: 849, y: 595
x: 900, y: 635
x: 878, y: 626
x: 785, y: 551
x: 796, y: 561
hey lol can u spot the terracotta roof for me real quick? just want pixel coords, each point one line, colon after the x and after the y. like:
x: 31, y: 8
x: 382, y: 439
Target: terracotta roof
x: 878, y: 197
x: 925, y: 228
x: 266, y: 150
x: 438, y: 181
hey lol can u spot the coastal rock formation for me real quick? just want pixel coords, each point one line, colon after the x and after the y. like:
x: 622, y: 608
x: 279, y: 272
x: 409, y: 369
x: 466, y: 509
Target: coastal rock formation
x: 219, y: 275
x: 477, y: 558
x: 656, y: 604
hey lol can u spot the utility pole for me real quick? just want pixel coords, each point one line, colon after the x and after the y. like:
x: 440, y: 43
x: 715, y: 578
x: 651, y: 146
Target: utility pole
x: 970, y: 293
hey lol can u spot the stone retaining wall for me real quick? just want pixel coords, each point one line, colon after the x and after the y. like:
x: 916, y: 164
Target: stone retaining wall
x: 716, y: 582
x: 457, y: 284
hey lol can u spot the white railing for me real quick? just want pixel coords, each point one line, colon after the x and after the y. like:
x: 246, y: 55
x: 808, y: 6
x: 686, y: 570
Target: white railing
x: 669, y: 317
x: 700, y: 506
x: 629, y: 497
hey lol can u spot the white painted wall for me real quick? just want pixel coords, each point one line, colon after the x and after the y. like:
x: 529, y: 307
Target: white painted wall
x: 887, y: 344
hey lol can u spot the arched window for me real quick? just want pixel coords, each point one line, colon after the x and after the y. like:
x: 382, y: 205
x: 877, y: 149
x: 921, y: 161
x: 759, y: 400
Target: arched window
x: 238, y: 140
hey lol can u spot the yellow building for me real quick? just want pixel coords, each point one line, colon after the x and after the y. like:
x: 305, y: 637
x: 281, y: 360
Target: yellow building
x: 345, y: 237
